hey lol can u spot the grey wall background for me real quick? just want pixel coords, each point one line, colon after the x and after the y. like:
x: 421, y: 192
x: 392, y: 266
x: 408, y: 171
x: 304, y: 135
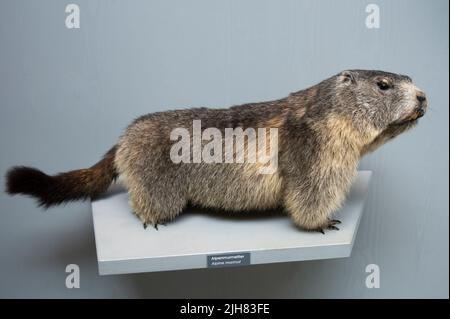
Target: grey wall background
x: 66, y: 95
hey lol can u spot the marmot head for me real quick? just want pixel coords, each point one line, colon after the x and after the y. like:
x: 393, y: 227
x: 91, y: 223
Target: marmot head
x: 379, y: 99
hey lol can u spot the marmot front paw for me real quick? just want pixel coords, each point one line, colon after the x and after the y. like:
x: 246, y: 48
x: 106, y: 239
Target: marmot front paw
x: 331, y: 225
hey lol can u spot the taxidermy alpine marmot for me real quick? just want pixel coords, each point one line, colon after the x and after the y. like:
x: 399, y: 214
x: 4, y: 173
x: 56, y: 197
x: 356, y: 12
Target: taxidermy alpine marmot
x: 320, y: 134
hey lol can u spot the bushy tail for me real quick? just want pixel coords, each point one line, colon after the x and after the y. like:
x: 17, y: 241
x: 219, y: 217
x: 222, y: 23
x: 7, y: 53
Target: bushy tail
x: 70, y: 186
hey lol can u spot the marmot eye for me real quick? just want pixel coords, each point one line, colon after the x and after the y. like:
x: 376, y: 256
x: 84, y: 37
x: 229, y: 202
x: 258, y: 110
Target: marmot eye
x: 383, y: 85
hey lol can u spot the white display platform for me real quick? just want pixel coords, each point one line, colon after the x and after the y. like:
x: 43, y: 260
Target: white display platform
x: 194, y: 239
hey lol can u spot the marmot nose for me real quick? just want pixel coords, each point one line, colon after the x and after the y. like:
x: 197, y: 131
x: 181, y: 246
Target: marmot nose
x: 421, y: 97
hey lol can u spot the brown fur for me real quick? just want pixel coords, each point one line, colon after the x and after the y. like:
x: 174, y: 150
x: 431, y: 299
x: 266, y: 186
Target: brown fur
x: 322, y: 133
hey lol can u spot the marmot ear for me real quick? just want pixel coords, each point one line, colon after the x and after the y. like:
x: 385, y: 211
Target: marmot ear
x: 347, y: 77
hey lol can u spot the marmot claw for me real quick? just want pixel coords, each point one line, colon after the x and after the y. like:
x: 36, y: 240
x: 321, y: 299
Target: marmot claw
x: 331, y: 226
x: 154, y: 225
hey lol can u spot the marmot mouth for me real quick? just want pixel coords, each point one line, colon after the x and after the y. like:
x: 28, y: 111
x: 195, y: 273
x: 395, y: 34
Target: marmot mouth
x: 420, y: 113
x: 412, y: 119
x: 409, y: 121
